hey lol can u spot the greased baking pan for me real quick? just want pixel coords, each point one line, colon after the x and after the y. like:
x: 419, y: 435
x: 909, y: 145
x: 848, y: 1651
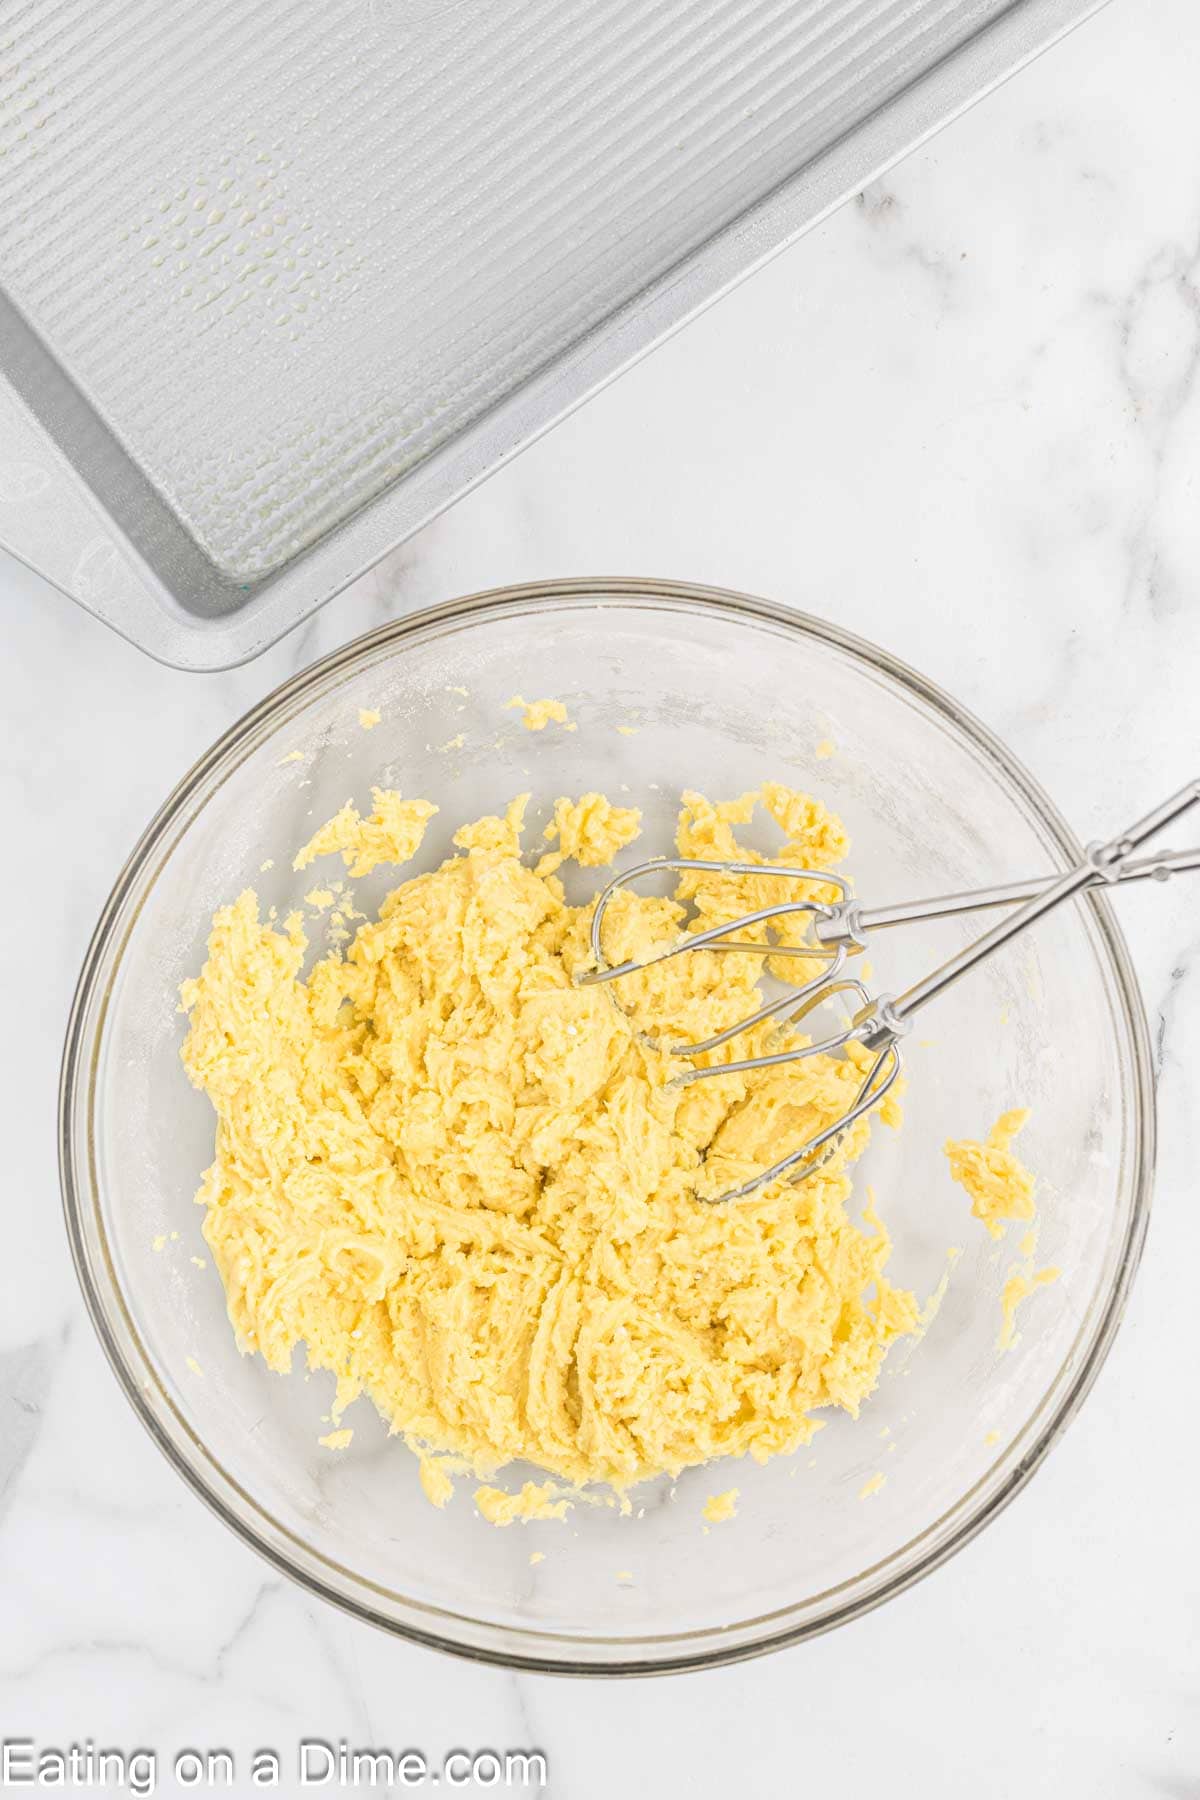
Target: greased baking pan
x: 282, y: 278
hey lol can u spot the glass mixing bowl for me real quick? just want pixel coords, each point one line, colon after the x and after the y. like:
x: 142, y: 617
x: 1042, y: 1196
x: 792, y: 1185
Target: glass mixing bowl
x: 722, y: 691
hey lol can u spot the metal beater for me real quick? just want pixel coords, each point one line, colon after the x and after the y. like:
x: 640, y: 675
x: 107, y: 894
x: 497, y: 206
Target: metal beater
x: 839, y: 929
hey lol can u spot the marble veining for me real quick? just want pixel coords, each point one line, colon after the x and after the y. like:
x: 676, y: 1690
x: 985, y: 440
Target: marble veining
x: 962, y: 418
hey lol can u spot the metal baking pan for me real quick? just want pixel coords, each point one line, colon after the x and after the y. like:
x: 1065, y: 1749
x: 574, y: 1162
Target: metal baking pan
x: 282, y: 278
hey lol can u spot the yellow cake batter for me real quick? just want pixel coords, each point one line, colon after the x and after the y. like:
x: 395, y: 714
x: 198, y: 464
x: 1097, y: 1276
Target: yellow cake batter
x: 998, y: 1184
x: 1002, y: 1190
x: 537, y: 714
x: 464, y: 1184
x: 720, y: 1507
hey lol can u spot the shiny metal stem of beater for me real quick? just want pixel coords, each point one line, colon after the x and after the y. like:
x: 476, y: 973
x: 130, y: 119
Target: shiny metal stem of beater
x: 852, y: 920
x: 841, y: 926
x: 1104, y: 864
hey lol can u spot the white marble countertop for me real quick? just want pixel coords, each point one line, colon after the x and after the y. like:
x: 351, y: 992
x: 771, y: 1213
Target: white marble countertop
x: 961, y: 418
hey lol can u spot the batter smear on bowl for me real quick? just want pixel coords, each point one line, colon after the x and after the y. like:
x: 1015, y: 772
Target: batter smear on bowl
x: 465, y: 1185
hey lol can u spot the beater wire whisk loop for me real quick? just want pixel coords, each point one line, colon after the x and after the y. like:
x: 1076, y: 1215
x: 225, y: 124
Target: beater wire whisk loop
x: 840, y: 928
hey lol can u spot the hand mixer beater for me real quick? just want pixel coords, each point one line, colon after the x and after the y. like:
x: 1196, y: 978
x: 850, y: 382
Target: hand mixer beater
x: 839, y: 929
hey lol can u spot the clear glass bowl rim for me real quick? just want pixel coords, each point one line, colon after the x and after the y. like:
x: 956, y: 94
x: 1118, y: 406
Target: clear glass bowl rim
x: 539, y: 1650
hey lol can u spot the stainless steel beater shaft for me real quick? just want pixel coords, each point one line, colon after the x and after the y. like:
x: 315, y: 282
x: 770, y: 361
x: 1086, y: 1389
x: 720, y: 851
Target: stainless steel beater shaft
x: 1103, y: 864
x: 852, y: 920
x: 841, y: 926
